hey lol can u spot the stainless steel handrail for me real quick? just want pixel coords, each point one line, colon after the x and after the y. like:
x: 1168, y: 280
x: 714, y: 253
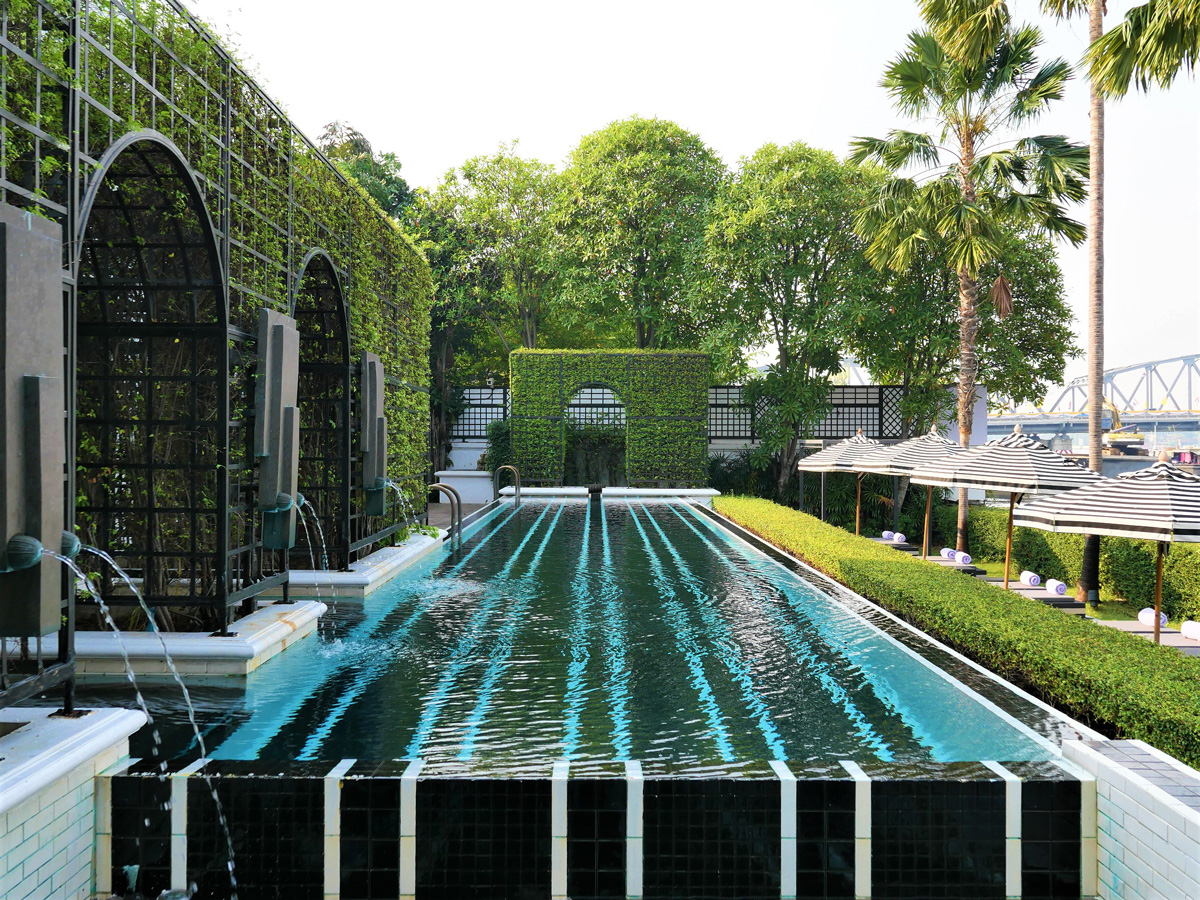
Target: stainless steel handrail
x: 455, y: 512
x: 496, y: 482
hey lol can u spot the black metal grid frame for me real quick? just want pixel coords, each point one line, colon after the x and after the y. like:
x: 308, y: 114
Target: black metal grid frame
x: 873, y: 408
x: 482, y: 407
x: 83, y: 81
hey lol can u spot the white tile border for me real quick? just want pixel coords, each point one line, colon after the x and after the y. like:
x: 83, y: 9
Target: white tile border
x: 408, y: 829
x: 558, y: 829
x: 332, y: 846
x: 701, y: 495
x: 634, y: 829
x: 102, y: 851
x: 787, y: 829
x: 48, y: 747
x: 1012, y: 829
x: 862, y: 829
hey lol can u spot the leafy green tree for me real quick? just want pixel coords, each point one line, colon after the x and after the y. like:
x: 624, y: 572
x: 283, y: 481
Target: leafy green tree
x: 631, y: 217
x: 508, y: 202
x: 783, y: 254
x: 908, y: 334
x: 378, y: 173
x: 983, y: 188
x: 965, y: 25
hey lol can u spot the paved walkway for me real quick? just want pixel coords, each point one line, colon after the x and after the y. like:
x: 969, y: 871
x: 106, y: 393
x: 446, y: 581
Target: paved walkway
x: 439, y: 513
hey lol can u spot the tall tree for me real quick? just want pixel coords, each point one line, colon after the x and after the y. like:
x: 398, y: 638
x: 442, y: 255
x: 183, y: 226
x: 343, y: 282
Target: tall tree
x: 782, y: 247
x: 632, y: 217
x: 510, y: 200
x: 966, y: 25
x: 968, y: 201
x: 908, y: 334
x: 378, y: 173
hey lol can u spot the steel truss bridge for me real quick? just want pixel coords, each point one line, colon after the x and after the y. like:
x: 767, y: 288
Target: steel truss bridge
x: 1163, y: 394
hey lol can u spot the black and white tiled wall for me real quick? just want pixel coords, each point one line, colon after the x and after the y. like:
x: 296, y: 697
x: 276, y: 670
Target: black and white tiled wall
x: 365, y: 831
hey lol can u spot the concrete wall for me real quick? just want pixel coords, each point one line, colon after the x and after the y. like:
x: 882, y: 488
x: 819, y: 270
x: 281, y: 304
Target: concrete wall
x: 1148, y: 820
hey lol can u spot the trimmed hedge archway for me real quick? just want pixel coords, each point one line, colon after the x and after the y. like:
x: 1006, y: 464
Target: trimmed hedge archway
x: 666, y: 411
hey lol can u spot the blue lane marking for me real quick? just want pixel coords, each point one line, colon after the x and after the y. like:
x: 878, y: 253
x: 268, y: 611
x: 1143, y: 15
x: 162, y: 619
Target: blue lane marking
x: 685, y: 640
x: 800, y: 646
x: 431, y: 707
x: 614, y: 649
x: 580, y: 656
x: 505, y: 638
x: 280, y: 689
x: 725, y: 645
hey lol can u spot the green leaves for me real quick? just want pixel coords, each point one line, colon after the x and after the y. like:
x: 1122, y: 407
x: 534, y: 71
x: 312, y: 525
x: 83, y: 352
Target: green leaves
x: 631, y: 219
x: 1151, y: 46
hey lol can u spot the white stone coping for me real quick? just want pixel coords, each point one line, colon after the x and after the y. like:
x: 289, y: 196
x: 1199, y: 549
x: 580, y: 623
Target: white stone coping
x: 366, y: 575
x: 49, y: 747
x: 257, y: 638
x: 463, y: 473
x: 615, y: 493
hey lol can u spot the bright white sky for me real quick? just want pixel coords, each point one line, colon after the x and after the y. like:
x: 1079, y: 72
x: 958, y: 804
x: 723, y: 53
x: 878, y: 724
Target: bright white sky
x: 440, y: 82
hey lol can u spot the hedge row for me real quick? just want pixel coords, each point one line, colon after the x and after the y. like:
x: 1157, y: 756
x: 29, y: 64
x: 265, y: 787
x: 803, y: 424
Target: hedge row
x: 1126, y: 566
x: 1119, y: 683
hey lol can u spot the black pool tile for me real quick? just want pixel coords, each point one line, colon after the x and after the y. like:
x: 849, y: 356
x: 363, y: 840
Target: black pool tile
x: 277, y: 827
x: 711, y: 839
x: 370, y: 817
x: 596, y: 820
x: 141, y: 828
x: 485, y: 838
x: 1050, y: 838
x: 825, y: 839
x: 937, y: 839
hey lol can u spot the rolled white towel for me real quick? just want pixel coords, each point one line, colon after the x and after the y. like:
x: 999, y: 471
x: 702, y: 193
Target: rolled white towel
x: 948, y: 552
x: 1146, y: 617
x: 964, y: 558
x: 888, y: 535
x: 1191, y: 630
x: 899, y: 537
x: 1055, y: 586
x: 1033, y: 579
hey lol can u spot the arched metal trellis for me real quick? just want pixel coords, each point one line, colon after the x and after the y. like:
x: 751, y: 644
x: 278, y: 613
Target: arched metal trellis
x: 188, y: 203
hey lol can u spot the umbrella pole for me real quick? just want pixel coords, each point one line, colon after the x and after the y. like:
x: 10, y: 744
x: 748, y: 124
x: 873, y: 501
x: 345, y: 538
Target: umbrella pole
x: 928, y: 509
x: 1158, y: 593
x: 1012, y: 499
x: 858, y: 506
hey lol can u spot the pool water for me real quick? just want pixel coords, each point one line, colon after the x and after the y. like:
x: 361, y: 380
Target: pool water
x: 600, y: 632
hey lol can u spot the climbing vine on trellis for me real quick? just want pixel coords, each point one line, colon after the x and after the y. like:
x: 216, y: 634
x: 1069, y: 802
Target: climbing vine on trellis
x: 666, y: 411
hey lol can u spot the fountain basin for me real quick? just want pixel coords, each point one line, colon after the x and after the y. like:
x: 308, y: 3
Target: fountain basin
x: 365, y: 576
x: 257, y: 638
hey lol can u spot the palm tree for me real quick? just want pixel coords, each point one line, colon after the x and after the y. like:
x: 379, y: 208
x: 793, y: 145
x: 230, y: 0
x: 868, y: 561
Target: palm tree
x: 966, y: 26
x: 977, y: 102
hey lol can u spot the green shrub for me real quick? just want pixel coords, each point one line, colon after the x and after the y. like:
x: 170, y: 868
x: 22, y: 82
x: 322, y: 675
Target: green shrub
x: 1115, y: 681
x: 499, y: 446
x: 665, y: 395
x: 1126, y: 566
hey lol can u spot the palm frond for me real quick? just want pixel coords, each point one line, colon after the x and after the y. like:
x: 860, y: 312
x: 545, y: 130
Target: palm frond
x: 898, y: 150
x: 967, y: 27
x: 1151, y: 46
x: 1047, y: 84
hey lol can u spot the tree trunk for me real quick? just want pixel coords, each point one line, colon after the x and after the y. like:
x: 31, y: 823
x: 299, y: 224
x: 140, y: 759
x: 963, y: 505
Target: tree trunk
x: 1088, y: 589
x: 968, y: 369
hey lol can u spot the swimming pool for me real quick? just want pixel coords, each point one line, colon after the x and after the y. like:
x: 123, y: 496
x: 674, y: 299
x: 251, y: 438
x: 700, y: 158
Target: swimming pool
x: 600, y: 632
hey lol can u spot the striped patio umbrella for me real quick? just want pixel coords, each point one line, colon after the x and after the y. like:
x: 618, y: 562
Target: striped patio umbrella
x: 840, y: 458
x: 1159, y: 503
x: 903, y: 459
x: 1014, y: 464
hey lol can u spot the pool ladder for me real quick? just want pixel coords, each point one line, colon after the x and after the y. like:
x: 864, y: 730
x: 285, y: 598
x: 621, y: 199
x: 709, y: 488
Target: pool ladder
x: 496, y: 482
x: 455, y: 513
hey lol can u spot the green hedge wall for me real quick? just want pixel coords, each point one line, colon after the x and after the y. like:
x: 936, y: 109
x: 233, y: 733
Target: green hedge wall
x: 1117, y: 682
x: 666, y: 411
x: 1126, y: 566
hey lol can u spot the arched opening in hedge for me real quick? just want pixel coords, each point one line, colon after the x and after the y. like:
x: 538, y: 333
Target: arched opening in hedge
x: 594, y: 436
x: 665, y: 402
x: 319, y: 309
x: 151, y: 420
